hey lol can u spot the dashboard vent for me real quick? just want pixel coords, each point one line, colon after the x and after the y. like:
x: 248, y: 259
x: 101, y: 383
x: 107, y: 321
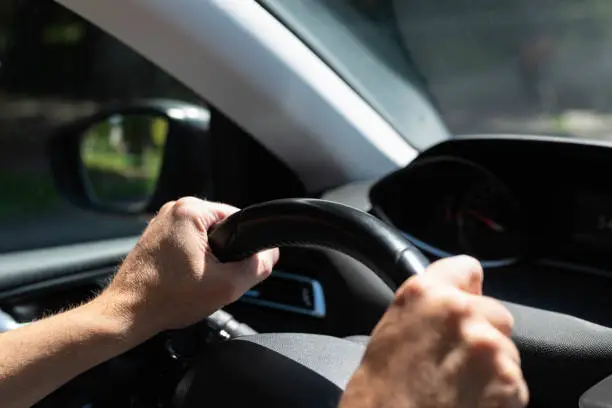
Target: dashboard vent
x: 289, y: 292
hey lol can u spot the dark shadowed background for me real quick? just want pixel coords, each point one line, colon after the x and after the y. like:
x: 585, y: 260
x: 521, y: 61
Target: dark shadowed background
x: 519, y: 66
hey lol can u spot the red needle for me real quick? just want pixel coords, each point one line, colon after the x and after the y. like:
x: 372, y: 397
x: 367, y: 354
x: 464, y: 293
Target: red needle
x: 487, y: 221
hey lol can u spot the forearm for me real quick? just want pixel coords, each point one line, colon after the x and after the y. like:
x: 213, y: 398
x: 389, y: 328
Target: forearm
x: 38, y: 358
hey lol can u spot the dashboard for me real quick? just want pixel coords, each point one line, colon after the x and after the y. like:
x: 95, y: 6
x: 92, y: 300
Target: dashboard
x: 537, y: 212
x: 463, y: 208
x: 506, y: 201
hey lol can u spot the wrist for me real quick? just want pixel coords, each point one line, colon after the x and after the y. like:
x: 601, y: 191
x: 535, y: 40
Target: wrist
x: 366, y: 390
x: 121, y: 317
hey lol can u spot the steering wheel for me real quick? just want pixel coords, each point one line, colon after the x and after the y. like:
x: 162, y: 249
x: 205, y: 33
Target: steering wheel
x: 305, y: 370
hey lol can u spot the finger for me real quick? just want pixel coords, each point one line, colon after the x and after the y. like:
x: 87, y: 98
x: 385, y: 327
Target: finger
x: 482, y: 340
x: 265, y: 263
x: 257, y: 267
x: 272, y: 254
x: 163, y: 211
x: 494, y: 312
x: 249, y: 272
x: 508, y: 387
x: 219, y: 211
x: 488, y: 361
x: 206, y: 212
x: 166, y: 207
x: 522, y: 399
x: 507, y: 369
x: 463, y: 272
x: 514, y: 396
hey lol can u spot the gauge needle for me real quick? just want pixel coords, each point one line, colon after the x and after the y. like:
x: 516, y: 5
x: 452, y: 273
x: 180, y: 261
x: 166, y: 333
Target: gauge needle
x: 487, y: 221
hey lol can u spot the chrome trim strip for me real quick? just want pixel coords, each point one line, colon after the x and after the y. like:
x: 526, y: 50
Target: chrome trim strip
x: 7, y: 323
x: 439, y: 253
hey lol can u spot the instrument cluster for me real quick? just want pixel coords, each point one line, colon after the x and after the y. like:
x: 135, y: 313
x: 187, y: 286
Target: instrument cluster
x: 506, y: 199
x: 448, y: 206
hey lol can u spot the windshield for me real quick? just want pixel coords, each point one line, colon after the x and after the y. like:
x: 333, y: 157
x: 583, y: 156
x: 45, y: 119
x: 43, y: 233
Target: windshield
x: 512, y: 66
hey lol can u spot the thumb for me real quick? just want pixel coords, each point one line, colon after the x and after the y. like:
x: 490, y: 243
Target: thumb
x: 462, y: 272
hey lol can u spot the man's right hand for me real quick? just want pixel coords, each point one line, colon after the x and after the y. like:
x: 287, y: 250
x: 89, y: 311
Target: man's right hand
x: 171, y: 279
x: 441, y: 344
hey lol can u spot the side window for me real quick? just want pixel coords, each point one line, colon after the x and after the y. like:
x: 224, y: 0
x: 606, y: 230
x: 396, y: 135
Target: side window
x: 56, y: 67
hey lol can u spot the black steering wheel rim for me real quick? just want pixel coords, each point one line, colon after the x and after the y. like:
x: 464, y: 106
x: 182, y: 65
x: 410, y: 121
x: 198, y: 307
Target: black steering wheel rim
x: 318, y: 223
x: 302, y: 370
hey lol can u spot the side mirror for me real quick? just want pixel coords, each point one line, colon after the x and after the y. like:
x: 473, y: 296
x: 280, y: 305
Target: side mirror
x: 131, y: 159
x: 121, y: 159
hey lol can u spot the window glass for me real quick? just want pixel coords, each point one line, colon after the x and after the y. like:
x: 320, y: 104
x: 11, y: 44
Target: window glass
x: 508, y: 66
x: 56, y: 67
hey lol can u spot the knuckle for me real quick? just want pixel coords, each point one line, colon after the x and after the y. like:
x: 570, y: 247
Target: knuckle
x: 457, y: 305
x: 508, y: 372
x: 480, y: 339
x: 263, y: 268
x: 475, y: 276
x: 473, y: 268
x: 456, y: 314
x: 264, y: 265
x: 499, y: 316
x: 447, y: 308
x: 413, y: 288
x: 267, y: 263
x: 452, y: 304
x: 509, y: 396
x: 506, y: 320
x: 484, y: 344
x: 513, y: 391
x: 187, y: 201
x: 265, y: 273
x: 186, y: 207
x: 440, y: 300
x: 164, y: 208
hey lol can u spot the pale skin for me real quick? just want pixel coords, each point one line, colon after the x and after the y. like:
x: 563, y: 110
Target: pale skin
x: 440, y: 344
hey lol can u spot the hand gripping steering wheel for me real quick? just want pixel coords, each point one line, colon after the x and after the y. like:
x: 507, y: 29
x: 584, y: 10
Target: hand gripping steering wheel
x: 305, y: 370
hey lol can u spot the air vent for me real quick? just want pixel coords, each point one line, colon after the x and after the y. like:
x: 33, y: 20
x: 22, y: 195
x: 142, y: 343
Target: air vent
x: 289, y: 292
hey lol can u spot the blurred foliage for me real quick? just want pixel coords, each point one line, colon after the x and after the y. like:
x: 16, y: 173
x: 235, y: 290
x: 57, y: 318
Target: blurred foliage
x: 26, y: 194
x: 70, y: 33
x: 454, y: 36
x: 159, y: 130
x: 123, y: 157
x: 113, y: 187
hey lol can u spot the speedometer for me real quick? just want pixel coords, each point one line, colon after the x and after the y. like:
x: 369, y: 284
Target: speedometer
x: 489, y: 220
x: 447, y: 206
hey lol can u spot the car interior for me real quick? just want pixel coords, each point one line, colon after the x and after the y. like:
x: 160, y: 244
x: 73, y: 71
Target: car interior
x: 536, y: 210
